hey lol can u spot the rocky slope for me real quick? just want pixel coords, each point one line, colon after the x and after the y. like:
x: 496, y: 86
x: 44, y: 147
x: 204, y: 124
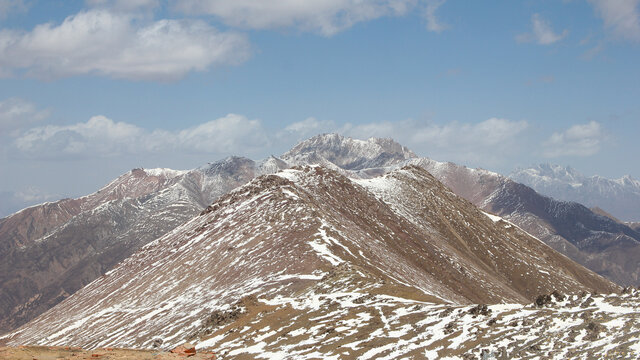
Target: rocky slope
x: 52, y: 250
x: 356, y: 325
x: 306, y: 248
x: 620, y: 197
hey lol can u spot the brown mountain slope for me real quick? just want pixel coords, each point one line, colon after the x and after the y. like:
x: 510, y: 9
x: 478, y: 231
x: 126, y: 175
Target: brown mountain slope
x: 309, y: 231
x: 24, y: 227
x: 602, y: 212
x: 105, y: 228
x: 603, y: 245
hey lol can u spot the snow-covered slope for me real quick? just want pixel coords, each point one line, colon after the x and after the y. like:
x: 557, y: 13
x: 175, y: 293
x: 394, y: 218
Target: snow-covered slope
x: 353, y: 325
x: 279, y: 247
x: 620, y: 197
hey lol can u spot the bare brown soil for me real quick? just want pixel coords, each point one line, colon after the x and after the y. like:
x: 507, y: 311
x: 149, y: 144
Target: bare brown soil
x: 59, y: 353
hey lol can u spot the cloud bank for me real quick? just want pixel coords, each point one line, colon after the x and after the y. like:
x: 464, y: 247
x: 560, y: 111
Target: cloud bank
x: 103, y: 137
x: 486, y: 142
x: 100, y: 136
x: 578, y: 140
x: 118, y: 45
x: 17, y: 113
x: 326, y: 17
x: 621, y: 17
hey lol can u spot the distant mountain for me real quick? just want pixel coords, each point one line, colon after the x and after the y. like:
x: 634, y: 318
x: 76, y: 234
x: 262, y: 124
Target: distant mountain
x: 311, y: 238
x: 334, y: 150
x: 620, y: 197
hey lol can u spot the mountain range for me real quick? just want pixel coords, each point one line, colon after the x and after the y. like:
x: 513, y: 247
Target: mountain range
x: 306, y: 244
x: 50, y: 251
x: 619, y: 197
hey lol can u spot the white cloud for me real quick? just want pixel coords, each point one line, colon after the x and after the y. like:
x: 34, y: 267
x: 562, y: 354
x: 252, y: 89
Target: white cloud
x: 99, y: 135
x: 16, y: 113
x: 489, y: 134
x: 11, y: 6
x: 622, y: 17
x: 542, y: 33
x: 433, y: 24
x: 34, y: 195
x: 578, y: 140
x: 232, y: 133
x: 307, y: 128
x: 116, y: 45
x: 326, y: 17
x: 484, y: 143
x: 103, y: 137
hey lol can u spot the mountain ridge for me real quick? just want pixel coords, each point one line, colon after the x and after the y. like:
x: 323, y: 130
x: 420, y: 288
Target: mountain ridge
x: 305, y: 232
x: 92, y: 242
x: 620, y: 197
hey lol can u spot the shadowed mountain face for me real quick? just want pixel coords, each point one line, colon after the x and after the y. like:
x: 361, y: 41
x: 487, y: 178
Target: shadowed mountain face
x: 595, y: 241
x: 48, y: 252
x: 620, y: 197
x: 301, y: 233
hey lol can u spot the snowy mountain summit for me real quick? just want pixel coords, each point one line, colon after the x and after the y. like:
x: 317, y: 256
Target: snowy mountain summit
x: 620, y: 197
x: 347, y: 153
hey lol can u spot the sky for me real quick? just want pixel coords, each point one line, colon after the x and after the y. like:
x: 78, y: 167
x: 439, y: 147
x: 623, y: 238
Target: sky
x: 91, y: 89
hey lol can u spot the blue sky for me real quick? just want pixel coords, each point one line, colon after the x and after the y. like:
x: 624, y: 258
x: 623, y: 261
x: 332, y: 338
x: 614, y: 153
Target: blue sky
x: 90, y: 89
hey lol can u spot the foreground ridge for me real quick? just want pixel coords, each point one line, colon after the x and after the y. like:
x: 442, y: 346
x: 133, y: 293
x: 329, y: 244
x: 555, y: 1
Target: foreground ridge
x: 349, y: 325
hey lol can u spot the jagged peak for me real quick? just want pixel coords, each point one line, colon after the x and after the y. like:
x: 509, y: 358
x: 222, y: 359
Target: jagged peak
x: 349, y: 153
x: 226, y: 164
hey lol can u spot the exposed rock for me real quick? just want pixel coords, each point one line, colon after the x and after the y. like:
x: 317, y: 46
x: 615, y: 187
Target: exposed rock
x: 184, y: 349
x: 544, y: 300
x: 480, y: 309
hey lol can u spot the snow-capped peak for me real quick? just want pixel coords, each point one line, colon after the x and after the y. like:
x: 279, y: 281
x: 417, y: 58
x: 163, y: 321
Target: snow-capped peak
x: 348, y: 153
x: 620, y: 197
x: 165, y: 172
